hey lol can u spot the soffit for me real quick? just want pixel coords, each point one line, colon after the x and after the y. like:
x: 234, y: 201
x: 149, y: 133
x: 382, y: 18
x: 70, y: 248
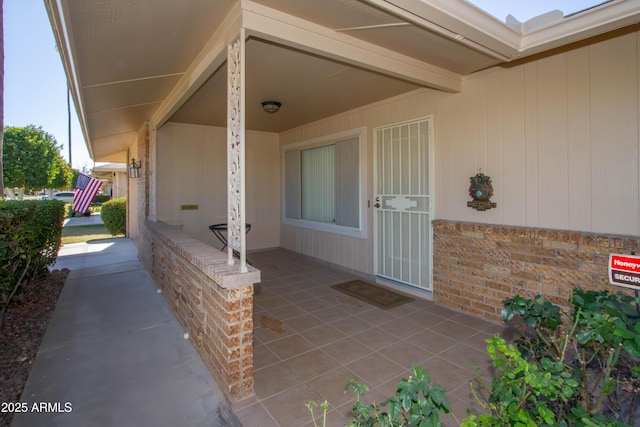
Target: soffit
x: 118, y: 40
x: 124, y: 58
x: 309, y: 88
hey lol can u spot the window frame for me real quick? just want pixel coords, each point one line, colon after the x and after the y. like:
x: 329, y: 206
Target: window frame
x: 361, y: 231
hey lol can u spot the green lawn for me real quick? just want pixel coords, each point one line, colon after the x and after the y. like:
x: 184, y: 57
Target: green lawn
x: 84, y: 233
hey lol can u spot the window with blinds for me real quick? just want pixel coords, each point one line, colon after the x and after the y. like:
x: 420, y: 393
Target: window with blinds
x: 323, y: 186
x: 318, y: 184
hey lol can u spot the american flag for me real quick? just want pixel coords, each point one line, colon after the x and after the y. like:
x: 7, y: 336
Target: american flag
x: 86, y: 190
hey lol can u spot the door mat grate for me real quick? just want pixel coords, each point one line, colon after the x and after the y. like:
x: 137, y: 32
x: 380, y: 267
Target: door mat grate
x: 372, y: 294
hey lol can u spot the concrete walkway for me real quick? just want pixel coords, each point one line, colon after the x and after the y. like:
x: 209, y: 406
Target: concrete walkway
x: 93, y: 219
x: 114, y: 354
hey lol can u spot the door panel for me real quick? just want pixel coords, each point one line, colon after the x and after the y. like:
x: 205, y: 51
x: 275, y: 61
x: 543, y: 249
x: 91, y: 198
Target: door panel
x: 403, y: 203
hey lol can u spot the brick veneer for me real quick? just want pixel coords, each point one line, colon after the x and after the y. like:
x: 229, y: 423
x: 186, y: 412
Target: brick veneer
x: 211, y: 300
x: 477, y: 266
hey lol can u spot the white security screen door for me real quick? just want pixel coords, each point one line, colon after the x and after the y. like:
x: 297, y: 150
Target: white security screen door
x: 403, y: 203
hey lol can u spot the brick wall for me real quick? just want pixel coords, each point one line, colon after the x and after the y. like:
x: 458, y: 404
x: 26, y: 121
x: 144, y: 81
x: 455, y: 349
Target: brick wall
x: 211, y: 300
x: 477, y: 266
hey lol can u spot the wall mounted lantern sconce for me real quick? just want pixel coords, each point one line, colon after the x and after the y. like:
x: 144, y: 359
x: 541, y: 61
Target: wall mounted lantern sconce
x: 481, y: 191
x: 271, y: 106
x: 134, y: 168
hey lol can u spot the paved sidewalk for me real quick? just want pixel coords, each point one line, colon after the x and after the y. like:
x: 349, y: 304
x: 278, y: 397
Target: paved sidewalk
x: 114, y: 354
x: 93, y: 219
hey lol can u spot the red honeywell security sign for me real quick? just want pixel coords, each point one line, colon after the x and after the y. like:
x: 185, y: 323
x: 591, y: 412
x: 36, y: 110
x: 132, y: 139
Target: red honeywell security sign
x: 624, y: 270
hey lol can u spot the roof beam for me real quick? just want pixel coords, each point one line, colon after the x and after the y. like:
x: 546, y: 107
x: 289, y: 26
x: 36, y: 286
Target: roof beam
x: 279, y: 27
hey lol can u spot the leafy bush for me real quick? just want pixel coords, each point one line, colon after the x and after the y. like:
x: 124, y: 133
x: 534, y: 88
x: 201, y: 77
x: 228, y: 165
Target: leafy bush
x: 528, y: 394
x: 114, y: 215
x: 596, y: 345
x: 417, y: 402
x: 30, y: 233
x: 100, y: 199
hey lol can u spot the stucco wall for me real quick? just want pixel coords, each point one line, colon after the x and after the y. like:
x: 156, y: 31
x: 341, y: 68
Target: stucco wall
x: 193, y: 161
x: 558, y: 136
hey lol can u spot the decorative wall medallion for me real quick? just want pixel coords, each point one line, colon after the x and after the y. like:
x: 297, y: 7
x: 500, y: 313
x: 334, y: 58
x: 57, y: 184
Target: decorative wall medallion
x: 481, y: 191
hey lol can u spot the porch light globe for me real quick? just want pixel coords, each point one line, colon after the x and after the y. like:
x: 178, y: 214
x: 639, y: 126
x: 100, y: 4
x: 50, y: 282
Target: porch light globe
x: 271, y: 106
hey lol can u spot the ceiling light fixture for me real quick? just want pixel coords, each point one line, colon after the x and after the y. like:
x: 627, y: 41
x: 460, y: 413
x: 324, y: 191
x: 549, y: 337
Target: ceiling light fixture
x: 271, y: 106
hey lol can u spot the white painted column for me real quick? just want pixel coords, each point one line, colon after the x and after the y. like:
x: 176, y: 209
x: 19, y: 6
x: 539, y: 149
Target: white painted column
x: 236, y: 232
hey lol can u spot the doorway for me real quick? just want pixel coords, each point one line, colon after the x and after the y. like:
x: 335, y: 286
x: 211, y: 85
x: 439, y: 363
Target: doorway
x: 403, y: 203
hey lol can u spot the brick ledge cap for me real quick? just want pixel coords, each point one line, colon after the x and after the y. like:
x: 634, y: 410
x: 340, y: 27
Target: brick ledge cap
x: 209, y: 260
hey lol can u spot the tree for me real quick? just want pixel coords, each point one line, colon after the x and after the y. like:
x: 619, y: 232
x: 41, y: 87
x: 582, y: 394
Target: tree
x: 29, y: 157
x: 61, y: 174
x: 74, y: 177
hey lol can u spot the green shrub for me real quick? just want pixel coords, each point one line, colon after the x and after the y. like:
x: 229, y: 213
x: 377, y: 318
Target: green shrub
x: 100, y: 199
x: 114, y: 215
x: 595, y: 348
x: 417, y: 402
x: 30, y: 233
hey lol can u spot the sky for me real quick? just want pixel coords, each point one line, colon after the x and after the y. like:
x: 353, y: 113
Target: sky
x: 36, y: 88
x: 523, y: 10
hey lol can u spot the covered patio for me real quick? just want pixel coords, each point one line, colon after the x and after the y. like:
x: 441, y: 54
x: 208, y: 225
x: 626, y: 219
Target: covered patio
x: 402, y: 103
x: 311, y: 339
x: 116, y: 355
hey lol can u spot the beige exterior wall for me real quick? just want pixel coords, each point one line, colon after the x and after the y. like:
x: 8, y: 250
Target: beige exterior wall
x: 119, y: 184
x: 193, y: 164
x: 558, y: 136
x: 136, y: 196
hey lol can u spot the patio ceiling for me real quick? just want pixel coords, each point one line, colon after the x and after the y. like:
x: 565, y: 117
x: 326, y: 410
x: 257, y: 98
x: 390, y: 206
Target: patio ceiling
x: 131, y: 61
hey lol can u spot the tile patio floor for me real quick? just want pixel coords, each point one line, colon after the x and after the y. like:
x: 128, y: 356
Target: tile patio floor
x: 328, y: 338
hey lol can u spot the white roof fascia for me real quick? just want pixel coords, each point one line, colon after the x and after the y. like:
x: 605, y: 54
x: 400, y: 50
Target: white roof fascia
x: 469, y: 24
x: 458, y: 20
x: 56, y: 12
x: 579, y: 26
